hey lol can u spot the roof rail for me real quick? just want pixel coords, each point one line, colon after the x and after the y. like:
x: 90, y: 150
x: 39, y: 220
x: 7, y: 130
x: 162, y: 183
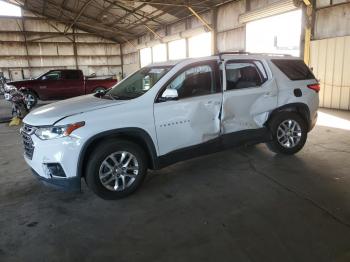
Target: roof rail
x: 248, y: 53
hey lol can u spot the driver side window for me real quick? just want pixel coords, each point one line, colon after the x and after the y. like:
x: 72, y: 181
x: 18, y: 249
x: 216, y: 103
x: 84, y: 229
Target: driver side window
x: 195, y: 81
x: 53, y: 75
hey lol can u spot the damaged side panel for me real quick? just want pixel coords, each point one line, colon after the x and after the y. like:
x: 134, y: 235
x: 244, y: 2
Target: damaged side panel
x: 187, y: 122
x: 248, y: 108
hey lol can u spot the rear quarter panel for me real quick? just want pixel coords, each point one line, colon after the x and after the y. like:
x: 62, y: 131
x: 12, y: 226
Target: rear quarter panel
x: 286, y: 91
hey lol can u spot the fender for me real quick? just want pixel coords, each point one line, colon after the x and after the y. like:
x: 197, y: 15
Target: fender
x: 300, y: 108
x: 137, y: 135
x: 23, y: 89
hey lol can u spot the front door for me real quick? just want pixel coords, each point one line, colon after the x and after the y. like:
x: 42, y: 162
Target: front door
x: 194, y: 118
x: 250, y: 93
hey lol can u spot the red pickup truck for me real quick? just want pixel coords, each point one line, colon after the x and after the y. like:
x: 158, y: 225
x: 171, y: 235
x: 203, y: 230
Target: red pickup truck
x: 61, y: 84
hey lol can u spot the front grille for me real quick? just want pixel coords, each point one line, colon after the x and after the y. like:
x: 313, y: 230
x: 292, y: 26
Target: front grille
x: 27, y: 140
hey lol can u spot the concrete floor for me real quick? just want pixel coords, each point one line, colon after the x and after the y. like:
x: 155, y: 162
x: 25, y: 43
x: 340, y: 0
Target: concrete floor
x: 245, y: 204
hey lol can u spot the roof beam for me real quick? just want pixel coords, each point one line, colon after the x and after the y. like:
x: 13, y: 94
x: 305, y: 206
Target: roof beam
x: 79, y: 14
x: 166, y: 4
x: 127, y: 14
x: 201, y: 19
x: 143, y: 14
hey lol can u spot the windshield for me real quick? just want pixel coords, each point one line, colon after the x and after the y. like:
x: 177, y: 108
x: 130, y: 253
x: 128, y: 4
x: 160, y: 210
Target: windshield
x: 138, y: 83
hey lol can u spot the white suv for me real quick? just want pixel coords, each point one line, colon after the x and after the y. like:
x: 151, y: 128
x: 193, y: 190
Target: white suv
x: 165, y: 113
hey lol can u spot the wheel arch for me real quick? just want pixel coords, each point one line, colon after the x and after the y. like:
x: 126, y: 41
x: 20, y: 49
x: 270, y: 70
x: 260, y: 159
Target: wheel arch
x: 299, y: 108
x: 24, y: 89
x: 97, y: 87
x: 136, y: 135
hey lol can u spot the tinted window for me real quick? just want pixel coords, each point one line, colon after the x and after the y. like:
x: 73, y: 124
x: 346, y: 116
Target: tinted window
x: 53, y: 75
x: 294, y: 69
x: 242, y: 75
x: 196, y: 81
x: 72, y: 75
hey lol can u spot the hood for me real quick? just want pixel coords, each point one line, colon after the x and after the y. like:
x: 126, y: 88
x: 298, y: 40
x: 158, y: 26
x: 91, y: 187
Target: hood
x: 52, y: 113
x: 19, y: 84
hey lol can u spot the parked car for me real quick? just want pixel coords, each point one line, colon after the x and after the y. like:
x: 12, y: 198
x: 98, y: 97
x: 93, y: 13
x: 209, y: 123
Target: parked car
x: 170, y: 112
x: 61, y: 84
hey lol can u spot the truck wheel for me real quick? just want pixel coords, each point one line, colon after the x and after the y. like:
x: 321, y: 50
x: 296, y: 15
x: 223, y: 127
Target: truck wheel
x: 31, y: 99
x: 289, y: 133
x: 99, y: 89
x: 115, y: 169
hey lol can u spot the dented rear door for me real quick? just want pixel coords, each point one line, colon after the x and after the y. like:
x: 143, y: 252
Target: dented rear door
x: 250, y: 94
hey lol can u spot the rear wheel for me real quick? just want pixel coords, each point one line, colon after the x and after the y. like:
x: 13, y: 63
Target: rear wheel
x: 99, y: 89
x: 289, y: 133
x: 116, y: 169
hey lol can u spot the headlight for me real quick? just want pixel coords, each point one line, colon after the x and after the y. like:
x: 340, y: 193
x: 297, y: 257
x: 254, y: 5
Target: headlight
x: 9, y: 87
x: 52, y: 132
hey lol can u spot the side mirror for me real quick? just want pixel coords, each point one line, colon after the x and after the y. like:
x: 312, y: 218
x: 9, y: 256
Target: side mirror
x: 170, y: 94
x: 91, y: 75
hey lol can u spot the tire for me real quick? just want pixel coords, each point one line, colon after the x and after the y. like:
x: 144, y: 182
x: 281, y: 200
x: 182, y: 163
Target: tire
x: 104, y: 157
x: 99, y: 89
x: 31, y: 97
x: 285, y: 141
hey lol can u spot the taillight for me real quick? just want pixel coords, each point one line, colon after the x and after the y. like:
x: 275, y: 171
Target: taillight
x: 315, y: 87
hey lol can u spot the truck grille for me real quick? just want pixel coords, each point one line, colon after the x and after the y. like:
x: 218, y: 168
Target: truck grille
x: 27, y: 140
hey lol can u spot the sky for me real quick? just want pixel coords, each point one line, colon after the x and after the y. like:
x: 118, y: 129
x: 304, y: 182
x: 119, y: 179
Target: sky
x: 7, y: 9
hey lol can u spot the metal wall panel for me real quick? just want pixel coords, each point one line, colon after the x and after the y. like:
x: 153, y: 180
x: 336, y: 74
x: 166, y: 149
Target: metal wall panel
x: 330, y: 60
x: 270, y: 10
x: 332, y: 22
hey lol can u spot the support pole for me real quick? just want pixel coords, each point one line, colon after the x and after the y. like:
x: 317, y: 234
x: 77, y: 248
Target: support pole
x: 26, y: 47
x: 75, y: 50
x: 214, y: 36
x: 121, y: 58
x: 308, y: 29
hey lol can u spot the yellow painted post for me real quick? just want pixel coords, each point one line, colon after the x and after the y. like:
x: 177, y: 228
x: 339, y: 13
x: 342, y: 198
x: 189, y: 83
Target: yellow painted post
x: 307, y: 45
x: 307, y: 40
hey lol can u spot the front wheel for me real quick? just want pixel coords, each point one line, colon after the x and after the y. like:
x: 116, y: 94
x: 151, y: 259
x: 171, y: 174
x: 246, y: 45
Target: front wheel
x: 30, y: 99
x: 116, y: 169
x: 289, y: 133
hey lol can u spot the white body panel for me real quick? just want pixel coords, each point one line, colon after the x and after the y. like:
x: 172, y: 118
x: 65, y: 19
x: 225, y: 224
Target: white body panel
x: 187, y: 122
x: 171, y: 125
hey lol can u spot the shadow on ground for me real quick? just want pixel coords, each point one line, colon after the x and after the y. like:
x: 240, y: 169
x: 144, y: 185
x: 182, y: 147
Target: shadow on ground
x: 245, y: 204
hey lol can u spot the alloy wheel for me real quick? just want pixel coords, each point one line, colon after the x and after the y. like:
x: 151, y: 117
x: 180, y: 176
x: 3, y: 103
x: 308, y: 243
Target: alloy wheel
x: 289, y: 133
x: 118, y: 171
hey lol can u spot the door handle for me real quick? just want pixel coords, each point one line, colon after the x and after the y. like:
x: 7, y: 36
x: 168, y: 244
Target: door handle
x: 269, y: 94
x: 42, y: 87
x: 214, y: 103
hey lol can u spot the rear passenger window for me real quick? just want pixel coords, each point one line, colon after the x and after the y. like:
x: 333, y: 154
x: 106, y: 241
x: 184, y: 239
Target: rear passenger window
x: 72, y: 75
x: 240, y: 75
x: 294, y: 69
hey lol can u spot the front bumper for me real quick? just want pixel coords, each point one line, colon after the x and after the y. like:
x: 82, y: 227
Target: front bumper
x: 66, y: 184
x: 62, y: 153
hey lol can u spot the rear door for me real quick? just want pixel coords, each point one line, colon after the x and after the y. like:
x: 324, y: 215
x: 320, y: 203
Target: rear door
x: 250, y: 92
x: 72, y: 83
x: 48, y: 85
x: 193, y: 118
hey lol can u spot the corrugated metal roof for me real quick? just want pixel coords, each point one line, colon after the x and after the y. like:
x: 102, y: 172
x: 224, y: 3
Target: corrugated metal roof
x: 120, y: 20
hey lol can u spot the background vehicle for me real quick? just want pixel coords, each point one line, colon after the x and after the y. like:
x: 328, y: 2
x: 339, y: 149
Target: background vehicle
x: 20, y: 106
x: 61, y: 84
x: 171, y: 112
x: 2, y: 83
